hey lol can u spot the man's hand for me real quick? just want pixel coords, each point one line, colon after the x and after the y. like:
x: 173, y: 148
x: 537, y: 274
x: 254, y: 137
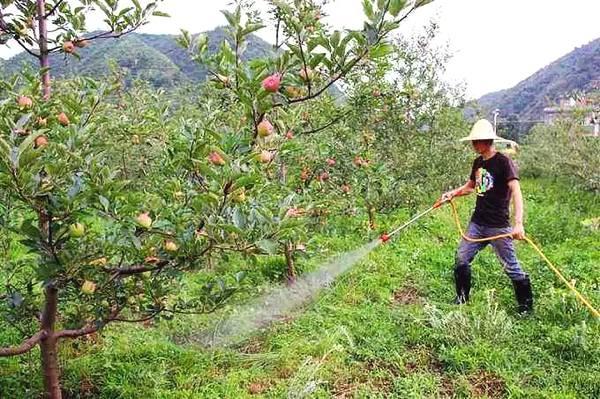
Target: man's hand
x: 447, y: 196
x: 518, y: 231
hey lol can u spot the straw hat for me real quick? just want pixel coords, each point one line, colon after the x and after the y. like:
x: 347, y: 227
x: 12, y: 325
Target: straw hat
x: 482, y: 130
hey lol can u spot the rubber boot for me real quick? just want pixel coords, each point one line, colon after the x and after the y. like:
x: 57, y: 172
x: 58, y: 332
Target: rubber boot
x: 524, y: 295
x: 462, y: 281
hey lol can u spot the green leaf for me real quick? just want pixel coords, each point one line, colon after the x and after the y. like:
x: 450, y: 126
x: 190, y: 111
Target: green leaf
x: 250, y: 28
x: 75, y: 187
x: 396, y: 6
x: 104, y: 201
x: 421, y: 3
x: 240, y: 276
x: 4, y: 147
x: 316, y: 60
x: 239, y: 220
x: 232, y: 18
x: 136, y: 242
x: 27, y: 144
x: 368, y: 9
x: 335, y: 38
x: 381, y: 50
x: 161, y: 14
x: 268, y: 246
x: 30, y: 230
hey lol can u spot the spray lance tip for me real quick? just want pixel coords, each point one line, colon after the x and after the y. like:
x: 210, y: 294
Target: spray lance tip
x: 385, y: 237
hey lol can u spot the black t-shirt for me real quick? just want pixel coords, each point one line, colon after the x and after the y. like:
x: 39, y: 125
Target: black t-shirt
x: 491, y: 179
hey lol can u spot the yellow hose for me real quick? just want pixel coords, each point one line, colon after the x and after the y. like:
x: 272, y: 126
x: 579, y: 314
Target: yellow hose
x: 578, y: 295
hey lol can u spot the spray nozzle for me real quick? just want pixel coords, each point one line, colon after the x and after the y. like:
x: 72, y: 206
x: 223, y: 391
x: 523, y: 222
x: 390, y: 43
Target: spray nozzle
x: 441, y: 202
x: 385, y: 237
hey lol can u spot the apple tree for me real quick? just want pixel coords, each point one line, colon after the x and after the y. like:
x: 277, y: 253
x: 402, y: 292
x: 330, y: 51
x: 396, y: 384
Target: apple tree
x: 107, y: 241
x: 275, y: 96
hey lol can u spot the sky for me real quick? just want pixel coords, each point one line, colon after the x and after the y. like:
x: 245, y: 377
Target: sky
x: 495, y: 43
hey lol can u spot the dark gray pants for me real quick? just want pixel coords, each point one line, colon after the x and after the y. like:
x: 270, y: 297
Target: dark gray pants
x: 503, y: 247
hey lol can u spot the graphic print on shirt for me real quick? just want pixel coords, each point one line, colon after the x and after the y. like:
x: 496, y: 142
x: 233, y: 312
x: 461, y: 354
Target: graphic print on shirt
x: 484, y: 181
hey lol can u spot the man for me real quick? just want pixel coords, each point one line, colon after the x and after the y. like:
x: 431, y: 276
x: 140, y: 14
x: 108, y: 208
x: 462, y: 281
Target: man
x: 495, y: 180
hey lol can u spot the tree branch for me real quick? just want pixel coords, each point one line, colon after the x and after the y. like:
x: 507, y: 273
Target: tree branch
x: 104, y: 35
x: 4, y: 27
x: 352, y: 63
x: 49, y: 13
x: 142, y: 319
x: 331, y: 123
x: 25, y: 347
x: 136, y: 269
x: 24, y: 47
x: 89, y: 329
x: 340, y: 75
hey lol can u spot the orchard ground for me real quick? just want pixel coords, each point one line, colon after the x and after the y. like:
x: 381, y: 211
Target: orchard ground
x: 384, y: 329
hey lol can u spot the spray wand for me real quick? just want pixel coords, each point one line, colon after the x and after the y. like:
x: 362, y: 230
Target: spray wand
x: 385, y: 237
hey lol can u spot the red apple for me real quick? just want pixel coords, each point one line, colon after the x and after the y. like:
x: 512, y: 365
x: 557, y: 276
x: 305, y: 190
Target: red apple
x: 306, y: 74
x: 265, y: 128
x: 63, y: 119
x: 265, y: 156
x: 272, y: 83
x: 40, y: 142
x: 171, y: 246
x: 144, y: 220
x: 24, y: 102
x: 88, y: 287
x: 216, y: 159
x: 68, y: 47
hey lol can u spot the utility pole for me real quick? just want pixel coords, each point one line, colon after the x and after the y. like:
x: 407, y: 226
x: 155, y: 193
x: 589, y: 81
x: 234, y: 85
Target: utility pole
x: 496, y: 113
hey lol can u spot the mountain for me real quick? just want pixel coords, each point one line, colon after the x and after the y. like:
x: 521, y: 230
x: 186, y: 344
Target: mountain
x: 155, y: 58
x: 577, y: 71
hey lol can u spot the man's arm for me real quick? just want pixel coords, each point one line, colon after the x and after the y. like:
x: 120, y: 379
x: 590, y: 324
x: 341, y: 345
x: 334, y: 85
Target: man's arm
x: 517, y: 197
x: 465, y: 189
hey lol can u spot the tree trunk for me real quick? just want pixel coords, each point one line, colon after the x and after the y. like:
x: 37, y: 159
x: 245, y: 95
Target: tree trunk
x: 43, y: 44
x: 371, y: 213
x: 49, y: 347
x: 289, y: 260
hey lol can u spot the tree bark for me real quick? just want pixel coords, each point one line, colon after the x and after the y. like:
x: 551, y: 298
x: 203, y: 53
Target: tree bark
x: 49, y: 347
x: 43, y: 44
x: 371, y: 213
x: 289, y: 260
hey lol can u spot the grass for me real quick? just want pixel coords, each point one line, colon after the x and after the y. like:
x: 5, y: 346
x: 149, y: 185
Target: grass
x: 384, y: 329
